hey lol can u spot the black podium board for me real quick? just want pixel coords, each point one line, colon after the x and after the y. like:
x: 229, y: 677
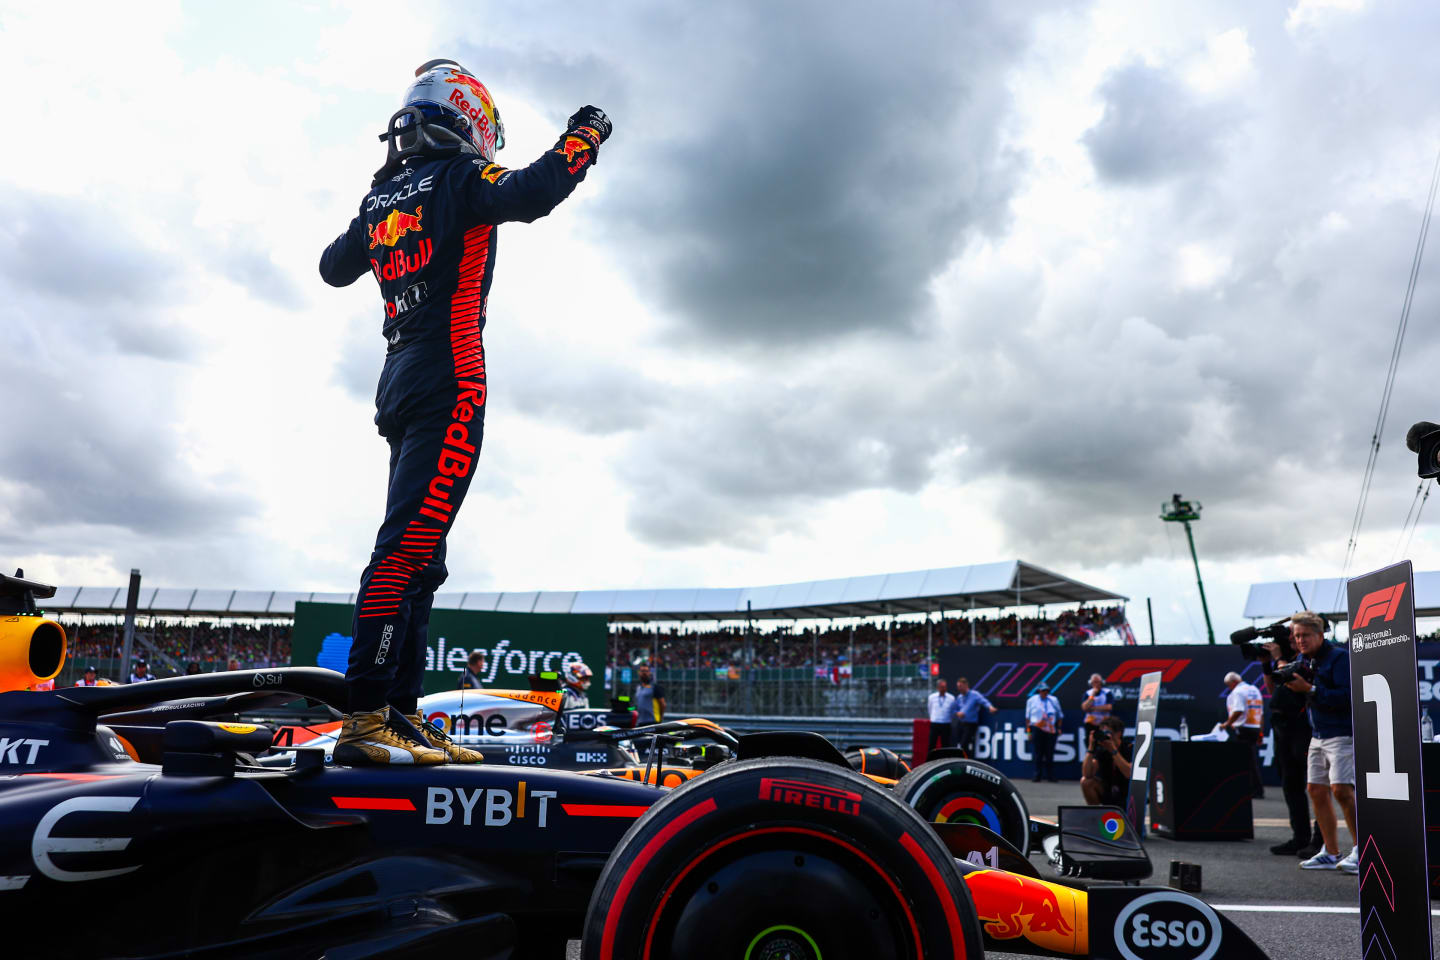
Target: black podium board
x: 1201, y: 791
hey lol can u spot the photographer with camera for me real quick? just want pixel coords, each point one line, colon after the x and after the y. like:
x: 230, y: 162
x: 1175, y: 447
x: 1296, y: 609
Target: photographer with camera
x: 1245, y: 722
x: 1290, y: 728
x: 1105, y: 771
x: 1322, y: 676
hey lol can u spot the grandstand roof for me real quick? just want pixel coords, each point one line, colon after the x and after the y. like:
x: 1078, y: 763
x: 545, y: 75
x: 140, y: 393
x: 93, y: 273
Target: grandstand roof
x: 1271, y: 601
x: 1005, y: 584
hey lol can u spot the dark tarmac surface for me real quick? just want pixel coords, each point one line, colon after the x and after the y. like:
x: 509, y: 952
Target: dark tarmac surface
x: 1274, y: 897
x: 1273, y: 890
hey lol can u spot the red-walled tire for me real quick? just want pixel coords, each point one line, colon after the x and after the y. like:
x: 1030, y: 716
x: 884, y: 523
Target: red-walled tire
x: 781, y: 857
x: 967, y: 791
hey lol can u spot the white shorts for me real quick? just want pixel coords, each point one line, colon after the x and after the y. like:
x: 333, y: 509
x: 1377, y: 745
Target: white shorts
x: 1331, y: 760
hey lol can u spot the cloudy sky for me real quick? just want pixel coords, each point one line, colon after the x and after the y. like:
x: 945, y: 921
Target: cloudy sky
x: 848, y: 292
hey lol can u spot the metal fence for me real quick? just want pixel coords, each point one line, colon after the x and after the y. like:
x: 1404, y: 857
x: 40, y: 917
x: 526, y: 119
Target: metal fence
x: 793, y: 692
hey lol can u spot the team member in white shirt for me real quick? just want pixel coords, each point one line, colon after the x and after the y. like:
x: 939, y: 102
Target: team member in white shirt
x: 1042, y: 724
x: 941, y: 705
x: 1245, y: 722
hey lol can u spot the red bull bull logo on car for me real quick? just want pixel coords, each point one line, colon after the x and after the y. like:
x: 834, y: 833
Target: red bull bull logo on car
x: 1012, y: 906
x: 395, y: 226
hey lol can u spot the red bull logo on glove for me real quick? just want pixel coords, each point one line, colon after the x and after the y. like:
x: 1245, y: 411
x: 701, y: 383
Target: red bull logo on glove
x: 396, y: 225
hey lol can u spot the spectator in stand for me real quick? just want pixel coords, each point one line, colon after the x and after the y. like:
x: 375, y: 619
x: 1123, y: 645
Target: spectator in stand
x: 1097, y: 704
x: 192, y: 668
x: 941, y: 705
x: 474, y: 668
x: 1105, y: 771
x: 1246, y: 714
x: 649, y: 697
x: 233, y: 664
x: 141, y: 673
x: 967, y: 714
x: 88, y: 680
x: 1043, y: 717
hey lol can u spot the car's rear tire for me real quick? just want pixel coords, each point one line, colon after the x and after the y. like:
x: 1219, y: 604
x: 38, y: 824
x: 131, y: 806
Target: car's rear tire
x: 967, y: 791
x: 780, y: 857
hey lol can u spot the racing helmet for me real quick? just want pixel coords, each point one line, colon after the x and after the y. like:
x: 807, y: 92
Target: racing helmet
x: 455, y: 109
x: 578, y: 675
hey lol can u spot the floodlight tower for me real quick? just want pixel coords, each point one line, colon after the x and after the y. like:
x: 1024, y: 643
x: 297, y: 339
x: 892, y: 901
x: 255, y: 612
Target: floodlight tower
x: 1187, y: 512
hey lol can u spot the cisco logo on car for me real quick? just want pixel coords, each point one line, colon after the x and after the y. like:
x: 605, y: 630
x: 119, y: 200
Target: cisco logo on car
x: 1167, y: 926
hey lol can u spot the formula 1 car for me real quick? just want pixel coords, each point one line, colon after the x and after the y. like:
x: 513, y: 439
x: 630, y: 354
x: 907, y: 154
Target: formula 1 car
x: 200, y: 852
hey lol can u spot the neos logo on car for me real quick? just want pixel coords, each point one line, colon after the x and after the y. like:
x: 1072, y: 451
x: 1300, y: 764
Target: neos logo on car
x: 1167, y: 926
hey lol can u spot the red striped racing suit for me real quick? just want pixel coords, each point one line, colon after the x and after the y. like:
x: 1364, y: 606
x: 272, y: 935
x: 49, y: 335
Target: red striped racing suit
x: 428, y: 235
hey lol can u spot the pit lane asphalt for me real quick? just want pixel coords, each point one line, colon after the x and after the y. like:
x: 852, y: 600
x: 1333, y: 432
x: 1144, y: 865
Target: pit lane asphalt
x: 1245, y: 872
x: 1238, y: 872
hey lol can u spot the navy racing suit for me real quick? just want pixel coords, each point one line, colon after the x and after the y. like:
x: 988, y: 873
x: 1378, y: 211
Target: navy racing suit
x: 428, y: 235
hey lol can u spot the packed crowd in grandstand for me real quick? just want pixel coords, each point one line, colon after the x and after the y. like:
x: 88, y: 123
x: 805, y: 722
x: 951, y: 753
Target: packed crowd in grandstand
x: 864, y: 644
x: 174, y: 646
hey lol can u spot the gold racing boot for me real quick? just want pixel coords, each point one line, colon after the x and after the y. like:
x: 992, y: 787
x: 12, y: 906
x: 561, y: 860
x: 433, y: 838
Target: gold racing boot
x: 441, y: 741
x: 368, y: 739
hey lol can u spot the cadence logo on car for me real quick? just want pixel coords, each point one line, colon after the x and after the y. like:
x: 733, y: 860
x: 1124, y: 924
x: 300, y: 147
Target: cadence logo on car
x: 804, y: 794
x: 1167, y: 926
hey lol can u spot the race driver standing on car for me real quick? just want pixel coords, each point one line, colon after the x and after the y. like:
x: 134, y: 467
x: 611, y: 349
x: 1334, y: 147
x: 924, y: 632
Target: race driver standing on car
x: 427, y: 231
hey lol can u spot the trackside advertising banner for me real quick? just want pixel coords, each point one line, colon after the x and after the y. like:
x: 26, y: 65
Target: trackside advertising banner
x: 1192, y: 687
x: 1389, y: 785
x: 516, y: 645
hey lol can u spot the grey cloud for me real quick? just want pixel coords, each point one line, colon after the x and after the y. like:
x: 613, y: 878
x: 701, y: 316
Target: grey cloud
x: 784, y: 188
x: 91, y: 449
x: 65, y: 248
x: 1153, y: 128
x: 251, y: 267
x: 792, y: 173
x: 360, y: 357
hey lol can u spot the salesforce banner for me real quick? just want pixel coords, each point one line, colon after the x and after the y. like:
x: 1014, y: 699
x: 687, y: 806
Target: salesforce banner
x: 516, y: 645
x: 1192, y: 687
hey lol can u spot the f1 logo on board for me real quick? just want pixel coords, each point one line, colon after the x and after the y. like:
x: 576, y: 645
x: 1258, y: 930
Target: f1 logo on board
x: 804, y: 794
x: 1384, y: 601
x: 1135, y: 669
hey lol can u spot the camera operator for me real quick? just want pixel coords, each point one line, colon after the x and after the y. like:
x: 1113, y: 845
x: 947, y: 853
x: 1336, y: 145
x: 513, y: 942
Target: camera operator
x: 1290, y: 728
x: 1246, y: 715
x: 1105, y: 771
x: 1323, y: 677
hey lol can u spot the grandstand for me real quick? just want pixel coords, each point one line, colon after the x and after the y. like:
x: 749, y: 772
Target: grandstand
x: 890, y: 620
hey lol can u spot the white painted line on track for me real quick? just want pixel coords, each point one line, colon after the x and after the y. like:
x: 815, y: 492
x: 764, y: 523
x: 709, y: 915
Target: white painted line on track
x: 1289, y: 908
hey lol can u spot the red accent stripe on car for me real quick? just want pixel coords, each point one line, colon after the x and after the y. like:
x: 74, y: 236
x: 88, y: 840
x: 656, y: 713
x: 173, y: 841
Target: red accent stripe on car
x: 855, y: 851
x: 602, y: 810
x: 947, y: 900
x: 622, y: 892
x: 75, y: 776
x: 373, y: 803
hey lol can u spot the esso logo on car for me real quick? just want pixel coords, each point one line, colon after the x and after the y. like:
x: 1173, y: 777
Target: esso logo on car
x: 1167, y: 926
x: 528, y: 759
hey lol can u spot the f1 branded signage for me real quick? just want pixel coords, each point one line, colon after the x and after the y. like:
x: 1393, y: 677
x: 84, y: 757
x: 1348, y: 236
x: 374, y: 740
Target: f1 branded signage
x: 1389, y: 786
x: 1144, y: 748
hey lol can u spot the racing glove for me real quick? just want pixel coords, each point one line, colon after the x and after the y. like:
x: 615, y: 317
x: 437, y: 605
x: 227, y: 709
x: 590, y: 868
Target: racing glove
x: 590, y: 125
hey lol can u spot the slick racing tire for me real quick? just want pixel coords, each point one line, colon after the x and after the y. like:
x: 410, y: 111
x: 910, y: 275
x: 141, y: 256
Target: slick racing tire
x: 877, y: 761
x: 781, y: 857
x: 967, y: 791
